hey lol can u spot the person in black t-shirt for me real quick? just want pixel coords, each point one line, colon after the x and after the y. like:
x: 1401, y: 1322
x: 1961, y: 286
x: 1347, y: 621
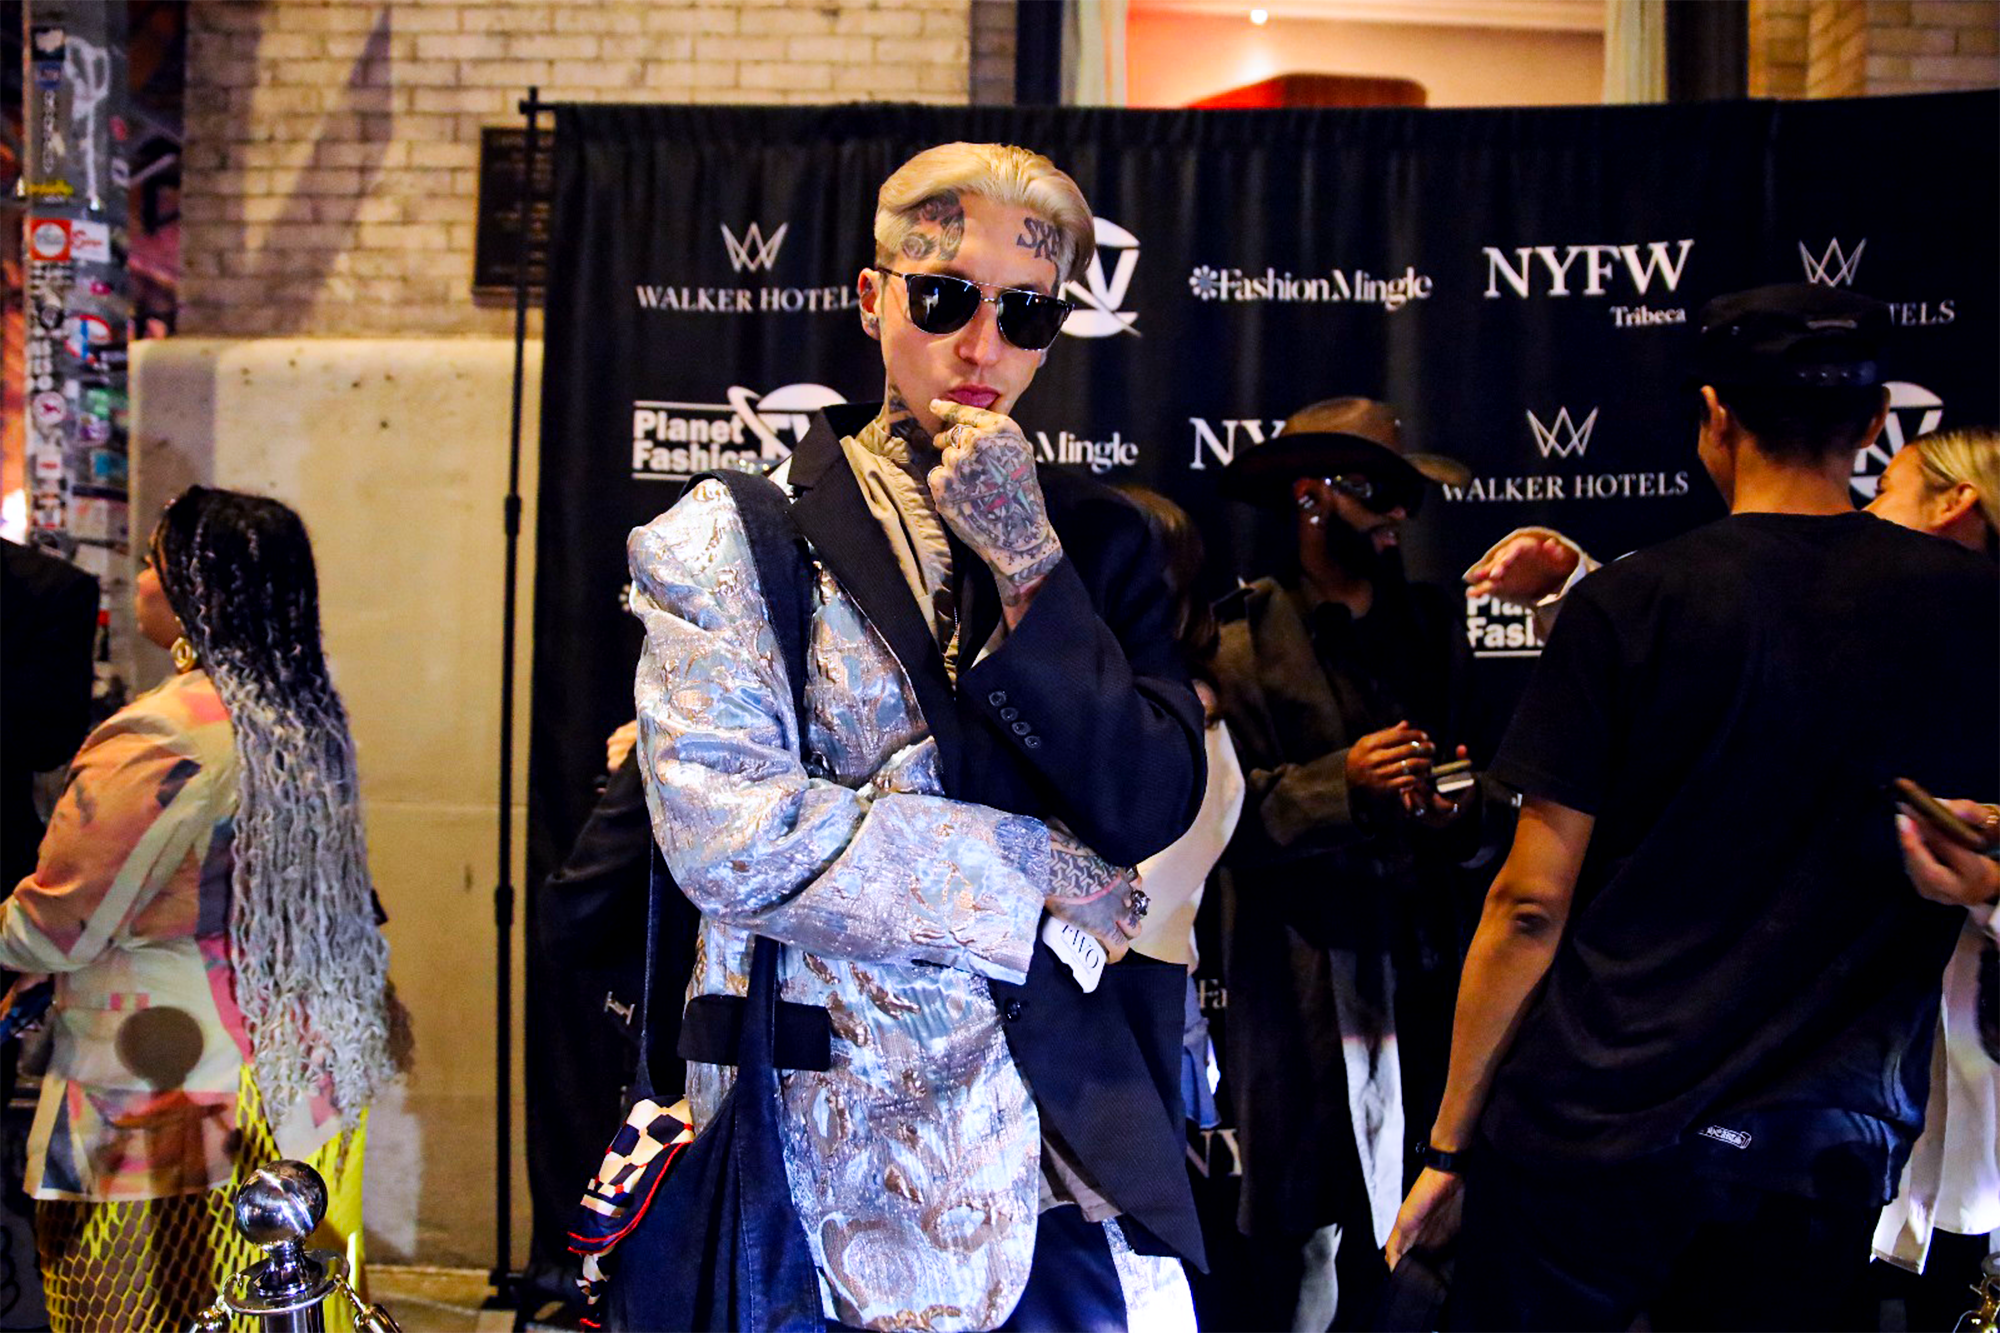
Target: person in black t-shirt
x: 1693, y: 1037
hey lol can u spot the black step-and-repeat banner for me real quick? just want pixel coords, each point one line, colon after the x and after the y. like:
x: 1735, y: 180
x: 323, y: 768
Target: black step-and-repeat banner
x: 1518, y: 282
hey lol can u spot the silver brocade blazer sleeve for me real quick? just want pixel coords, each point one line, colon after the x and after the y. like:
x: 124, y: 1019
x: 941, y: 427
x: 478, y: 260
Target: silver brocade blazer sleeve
x: 915, y: 1159
x: 867, y: 863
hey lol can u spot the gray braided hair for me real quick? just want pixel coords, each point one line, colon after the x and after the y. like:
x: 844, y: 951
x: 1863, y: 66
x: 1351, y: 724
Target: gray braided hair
x: 310, y: 963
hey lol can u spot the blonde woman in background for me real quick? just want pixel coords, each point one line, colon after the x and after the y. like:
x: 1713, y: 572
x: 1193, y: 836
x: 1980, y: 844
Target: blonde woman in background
x: 202, y: 901
x: 1948, y: 1203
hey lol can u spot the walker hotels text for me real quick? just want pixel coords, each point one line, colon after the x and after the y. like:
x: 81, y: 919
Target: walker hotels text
x: 1582, y: 486
x: 745, y: 300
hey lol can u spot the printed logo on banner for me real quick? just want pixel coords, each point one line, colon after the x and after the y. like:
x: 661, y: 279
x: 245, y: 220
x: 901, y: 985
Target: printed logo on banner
x: 1218, y: 440
x: 673, y: 441
x: 1100, y: 456
x: 1836, y: 266
x: 1566, y: 437
x: 1563, y: 437
x: 1913, y: 411
x: 1339, y: 285
x: 1640, y: 269
x: 1497, y: 629
x: 1099, y: 300
x: 750, y: 252
x: 755, y: 250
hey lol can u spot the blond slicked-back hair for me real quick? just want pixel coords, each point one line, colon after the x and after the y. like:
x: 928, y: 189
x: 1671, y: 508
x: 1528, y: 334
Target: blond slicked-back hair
x: 1969, y: 454
x: 1002, y: 173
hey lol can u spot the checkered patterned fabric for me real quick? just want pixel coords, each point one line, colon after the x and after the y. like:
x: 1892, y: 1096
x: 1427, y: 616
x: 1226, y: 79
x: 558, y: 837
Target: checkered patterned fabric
x: 616, y: 1198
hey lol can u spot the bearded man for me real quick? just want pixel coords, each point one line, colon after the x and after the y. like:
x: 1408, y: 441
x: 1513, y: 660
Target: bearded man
x: 1343, y: 896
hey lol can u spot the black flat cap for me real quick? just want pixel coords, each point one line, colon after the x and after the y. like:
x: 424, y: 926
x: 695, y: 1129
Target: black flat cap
x: 1793, y: 334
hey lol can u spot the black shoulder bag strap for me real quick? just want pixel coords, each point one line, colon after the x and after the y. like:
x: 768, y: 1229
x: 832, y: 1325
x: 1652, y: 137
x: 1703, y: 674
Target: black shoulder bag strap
x: 784, y: 573
x: 729, y: 1250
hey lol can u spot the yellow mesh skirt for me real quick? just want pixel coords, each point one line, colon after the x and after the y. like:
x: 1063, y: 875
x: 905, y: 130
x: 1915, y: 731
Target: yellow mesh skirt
x: 158, y: 1264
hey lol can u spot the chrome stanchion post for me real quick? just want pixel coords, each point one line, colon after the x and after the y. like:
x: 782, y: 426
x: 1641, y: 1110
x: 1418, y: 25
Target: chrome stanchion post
x: 1984, y: 1318
x: 277, y: 1209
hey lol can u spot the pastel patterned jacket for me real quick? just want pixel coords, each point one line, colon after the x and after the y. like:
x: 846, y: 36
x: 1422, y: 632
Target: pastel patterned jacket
x: 128, y: 909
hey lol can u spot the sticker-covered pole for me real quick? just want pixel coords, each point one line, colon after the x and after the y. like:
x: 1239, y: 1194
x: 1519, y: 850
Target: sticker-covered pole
x: 79, y: 312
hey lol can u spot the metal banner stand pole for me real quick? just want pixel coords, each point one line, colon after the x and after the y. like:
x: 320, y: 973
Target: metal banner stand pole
x: 505, y: 1281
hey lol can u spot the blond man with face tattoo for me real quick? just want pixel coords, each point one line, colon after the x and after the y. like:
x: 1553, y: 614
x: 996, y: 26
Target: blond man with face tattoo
x: 997, y: 727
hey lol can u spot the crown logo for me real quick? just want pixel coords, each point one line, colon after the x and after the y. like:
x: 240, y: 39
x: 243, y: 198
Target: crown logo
x: 755, y: 251
x: 1563, y: 437
x: 1834, y: 267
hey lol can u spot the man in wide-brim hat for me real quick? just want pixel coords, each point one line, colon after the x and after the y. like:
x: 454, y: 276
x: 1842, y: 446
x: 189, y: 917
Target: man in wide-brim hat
x: 1340, y: 437
x: 1341, y: 683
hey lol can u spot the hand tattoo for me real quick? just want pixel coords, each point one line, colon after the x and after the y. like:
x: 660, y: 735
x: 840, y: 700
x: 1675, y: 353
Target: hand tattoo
x: 1091, y: 894
x: 986, y: 489
x: 943, y: 212
x: 1075, y: 872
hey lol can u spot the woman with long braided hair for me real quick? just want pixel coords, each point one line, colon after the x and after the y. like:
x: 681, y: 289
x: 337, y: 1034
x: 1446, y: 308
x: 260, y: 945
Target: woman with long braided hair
x: 202, y: 899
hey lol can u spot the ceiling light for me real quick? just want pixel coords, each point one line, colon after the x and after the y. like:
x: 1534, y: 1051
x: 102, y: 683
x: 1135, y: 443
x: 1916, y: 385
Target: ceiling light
x: 1260, y: 16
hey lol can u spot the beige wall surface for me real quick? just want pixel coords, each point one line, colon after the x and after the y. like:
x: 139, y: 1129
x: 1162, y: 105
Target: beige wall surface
x: 395, y: 454
x: 331, y: 169
x: 1176, y: 57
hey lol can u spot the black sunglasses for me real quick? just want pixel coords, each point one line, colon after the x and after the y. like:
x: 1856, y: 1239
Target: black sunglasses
x: 1376, y: 496
x: 941, y: 304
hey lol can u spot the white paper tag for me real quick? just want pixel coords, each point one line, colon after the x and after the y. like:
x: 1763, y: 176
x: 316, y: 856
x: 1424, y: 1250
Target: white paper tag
x: 1076, y: 948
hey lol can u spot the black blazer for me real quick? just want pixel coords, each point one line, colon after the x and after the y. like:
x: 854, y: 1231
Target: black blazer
x: 48, y: 631
x: 1084, y: 714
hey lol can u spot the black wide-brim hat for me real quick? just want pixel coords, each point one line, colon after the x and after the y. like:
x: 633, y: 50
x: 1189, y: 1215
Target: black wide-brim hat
x: 1334, y: 436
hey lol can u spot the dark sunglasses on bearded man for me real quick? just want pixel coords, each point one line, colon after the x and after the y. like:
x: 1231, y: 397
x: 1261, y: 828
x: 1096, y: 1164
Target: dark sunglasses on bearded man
x: 1378, y: 496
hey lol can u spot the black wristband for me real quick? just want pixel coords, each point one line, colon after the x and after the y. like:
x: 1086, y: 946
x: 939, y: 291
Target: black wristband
x: 1439, y: 1161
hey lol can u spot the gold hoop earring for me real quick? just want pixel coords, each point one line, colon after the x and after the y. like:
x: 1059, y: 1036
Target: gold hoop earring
x: 184, y: 655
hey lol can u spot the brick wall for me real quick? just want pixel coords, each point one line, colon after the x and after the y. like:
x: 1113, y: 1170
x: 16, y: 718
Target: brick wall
x: 995, y: 24
x: 1933, y: 46
x: 1836, y: 48
x: 331, y: 172
x: 1873, y: 47
x: 1778, y: 45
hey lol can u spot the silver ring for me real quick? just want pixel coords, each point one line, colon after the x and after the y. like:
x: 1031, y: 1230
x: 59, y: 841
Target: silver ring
x: 1140, y: 903
x: 1406, y: 766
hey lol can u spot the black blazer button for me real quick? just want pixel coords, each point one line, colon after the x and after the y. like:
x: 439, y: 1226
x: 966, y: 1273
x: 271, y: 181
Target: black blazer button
x: 1012, y: 1010
x: 997, y: 698
x: 1032, y: 742
x: 1009, y: 714
x: 1022, y: 729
